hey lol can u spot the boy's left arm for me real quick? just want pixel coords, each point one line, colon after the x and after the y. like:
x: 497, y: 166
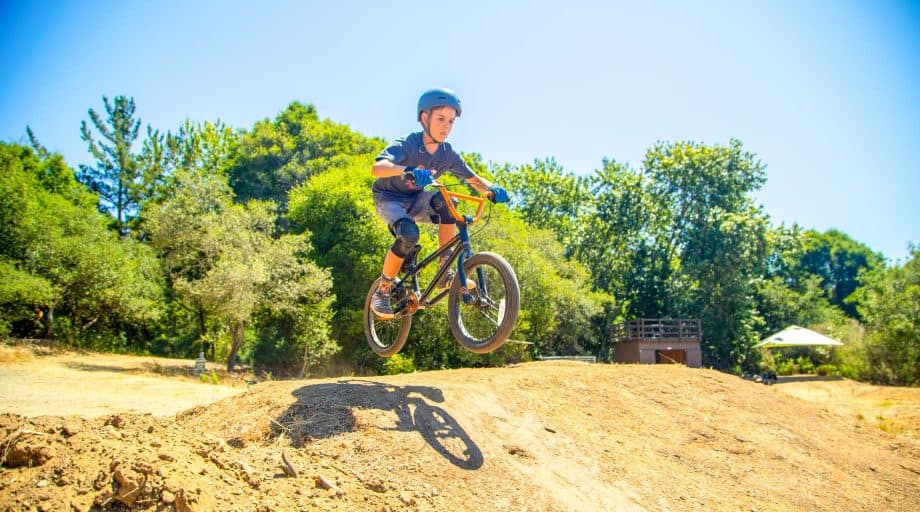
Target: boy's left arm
x: 495, y: 193
x: 479, y: 183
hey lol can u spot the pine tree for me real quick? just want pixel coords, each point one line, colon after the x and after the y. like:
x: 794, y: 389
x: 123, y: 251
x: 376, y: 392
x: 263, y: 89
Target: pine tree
x: 116, y: 176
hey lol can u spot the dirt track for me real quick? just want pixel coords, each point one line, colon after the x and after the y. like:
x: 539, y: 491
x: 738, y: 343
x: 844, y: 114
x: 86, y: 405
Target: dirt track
x: 537, y: 437
x: 86, y: 384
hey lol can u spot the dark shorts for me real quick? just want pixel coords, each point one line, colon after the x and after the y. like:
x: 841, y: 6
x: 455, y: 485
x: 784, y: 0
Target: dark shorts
x: 392, y: 207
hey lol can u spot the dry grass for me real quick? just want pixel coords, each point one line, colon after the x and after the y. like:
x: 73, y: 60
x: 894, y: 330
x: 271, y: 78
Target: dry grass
x: 14, y: 354
x: 893, y: 409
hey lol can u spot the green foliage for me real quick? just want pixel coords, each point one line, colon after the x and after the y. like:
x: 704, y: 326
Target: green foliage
x: 619, y: 238
x: 278, y: 155
x: 84, y: 275
x: 557, y: 302
x: 209, y: 378
x: 719, y: 238
x: 780, y: 306
x: 889, y: 302
x: 545, y: 195
x: 237, y: 226
x: 784, y: 294
x: 838, y: 260
x: 223, y: 258
x: 115, y: 177
x: 827, y: 370
x: 397, y: 364
x: 347, y: 237
x: 21, y: 293
x: 206, y: 148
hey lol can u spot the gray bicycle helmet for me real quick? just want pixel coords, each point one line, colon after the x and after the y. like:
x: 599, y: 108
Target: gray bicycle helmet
x: 438, y: 98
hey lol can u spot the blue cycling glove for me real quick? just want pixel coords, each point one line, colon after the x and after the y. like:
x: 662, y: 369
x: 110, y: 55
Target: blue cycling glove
x: 420, y: 177
x: 499, y: 195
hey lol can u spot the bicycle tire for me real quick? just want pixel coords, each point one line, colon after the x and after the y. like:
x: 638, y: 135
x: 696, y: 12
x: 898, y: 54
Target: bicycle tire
x: 484, y: 325
x: 384, y: 337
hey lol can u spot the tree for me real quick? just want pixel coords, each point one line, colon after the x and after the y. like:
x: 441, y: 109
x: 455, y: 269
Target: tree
x: 115, y: 176
x: 618, y: 239
x: 889, y: 303
x: 786, y: 294
x: 838, y: 260
x: 222, y: 256
x: 278, y: 155
x: 83, y: 274
x: 717, y: 239
x: 336, y: 207
x: 546, y: 196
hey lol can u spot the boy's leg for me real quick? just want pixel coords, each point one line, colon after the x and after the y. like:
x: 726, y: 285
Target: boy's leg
x: 393, y: 212
x: 434, y: 209
x: 380, y: 303
x: 445, y: 233
x: 391, y: 264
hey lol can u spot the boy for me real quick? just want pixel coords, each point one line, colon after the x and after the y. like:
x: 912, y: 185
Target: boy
x: 403, y: 170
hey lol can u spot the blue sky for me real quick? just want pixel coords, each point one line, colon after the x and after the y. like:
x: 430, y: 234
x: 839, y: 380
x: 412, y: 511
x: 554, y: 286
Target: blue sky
x: 826, y: 93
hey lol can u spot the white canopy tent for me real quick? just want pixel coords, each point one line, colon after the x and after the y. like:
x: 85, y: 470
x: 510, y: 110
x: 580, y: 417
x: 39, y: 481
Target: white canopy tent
x: 795, y: 336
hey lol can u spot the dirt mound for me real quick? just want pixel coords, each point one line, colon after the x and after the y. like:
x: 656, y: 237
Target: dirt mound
x: 540, y: 437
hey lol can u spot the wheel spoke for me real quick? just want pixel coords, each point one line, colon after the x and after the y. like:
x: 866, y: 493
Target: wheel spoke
x: 493, y: 319
x: 482, y: 317
x: 483, y: 324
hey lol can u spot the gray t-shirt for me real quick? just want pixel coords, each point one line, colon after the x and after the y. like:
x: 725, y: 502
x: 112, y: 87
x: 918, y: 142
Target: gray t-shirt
x: 411, y: 151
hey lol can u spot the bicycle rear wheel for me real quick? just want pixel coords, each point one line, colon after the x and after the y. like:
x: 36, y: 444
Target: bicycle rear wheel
x: 484, y: 322
x: 385, y: 337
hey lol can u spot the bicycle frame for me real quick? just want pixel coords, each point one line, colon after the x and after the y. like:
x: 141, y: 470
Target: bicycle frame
x: 460, y: 242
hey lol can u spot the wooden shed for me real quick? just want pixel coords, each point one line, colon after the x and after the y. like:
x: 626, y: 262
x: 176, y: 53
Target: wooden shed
x: 659, y: 340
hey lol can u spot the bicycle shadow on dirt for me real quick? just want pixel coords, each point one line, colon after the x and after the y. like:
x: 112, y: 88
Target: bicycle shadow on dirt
x: 325, y: 410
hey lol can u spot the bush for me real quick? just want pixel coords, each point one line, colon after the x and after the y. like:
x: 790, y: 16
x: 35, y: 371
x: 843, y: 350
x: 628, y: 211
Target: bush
x: 828, y: 369
x: 805, y: 365
x: 787, y: 367
x: 398, y: 364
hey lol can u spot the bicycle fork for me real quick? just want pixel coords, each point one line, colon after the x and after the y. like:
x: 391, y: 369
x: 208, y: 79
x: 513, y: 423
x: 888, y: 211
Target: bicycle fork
x: 466, y: 251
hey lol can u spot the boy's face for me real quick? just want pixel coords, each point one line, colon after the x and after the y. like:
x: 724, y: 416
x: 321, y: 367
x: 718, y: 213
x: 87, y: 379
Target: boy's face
x: 440, y: 121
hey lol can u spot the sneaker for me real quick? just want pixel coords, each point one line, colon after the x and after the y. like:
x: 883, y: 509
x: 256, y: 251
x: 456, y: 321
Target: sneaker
x: 380, y: 305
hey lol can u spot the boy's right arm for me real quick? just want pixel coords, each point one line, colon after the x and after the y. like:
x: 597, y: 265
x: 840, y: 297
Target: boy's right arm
x: 386, y: 169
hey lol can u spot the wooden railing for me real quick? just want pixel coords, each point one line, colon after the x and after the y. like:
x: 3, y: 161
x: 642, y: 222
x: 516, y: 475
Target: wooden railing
x: 687, y: 329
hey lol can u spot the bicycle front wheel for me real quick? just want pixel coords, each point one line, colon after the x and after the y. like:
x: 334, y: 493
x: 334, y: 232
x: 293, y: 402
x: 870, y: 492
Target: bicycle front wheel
x: 483, y: 321
x: 385, y: 337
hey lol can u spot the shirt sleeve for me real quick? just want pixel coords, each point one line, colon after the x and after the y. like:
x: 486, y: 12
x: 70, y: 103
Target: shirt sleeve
x: 460, y: 169
x: 395, y: 152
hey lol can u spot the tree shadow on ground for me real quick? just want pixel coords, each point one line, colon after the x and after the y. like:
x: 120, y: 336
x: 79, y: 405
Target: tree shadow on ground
x: 325, y: 410
x: 89, y: 367
x: 782, y: 379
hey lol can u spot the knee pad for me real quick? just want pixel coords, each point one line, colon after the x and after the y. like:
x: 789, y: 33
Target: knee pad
x: 440, y: 206
x: 406, y: 232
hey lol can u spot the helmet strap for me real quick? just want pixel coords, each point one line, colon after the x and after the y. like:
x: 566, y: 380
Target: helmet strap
x: 427, y: 130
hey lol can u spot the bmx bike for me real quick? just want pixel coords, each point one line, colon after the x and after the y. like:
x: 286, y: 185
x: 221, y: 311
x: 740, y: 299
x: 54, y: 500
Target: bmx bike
x: 483, y: 297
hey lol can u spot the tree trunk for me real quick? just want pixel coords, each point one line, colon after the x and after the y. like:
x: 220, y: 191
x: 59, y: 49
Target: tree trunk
x: 303, y: 369
x: 237, y: 335
x: 49, y: 323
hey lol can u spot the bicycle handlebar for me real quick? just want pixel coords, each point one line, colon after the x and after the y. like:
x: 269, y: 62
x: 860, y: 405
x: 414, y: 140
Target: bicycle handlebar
x: 447, y: 195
